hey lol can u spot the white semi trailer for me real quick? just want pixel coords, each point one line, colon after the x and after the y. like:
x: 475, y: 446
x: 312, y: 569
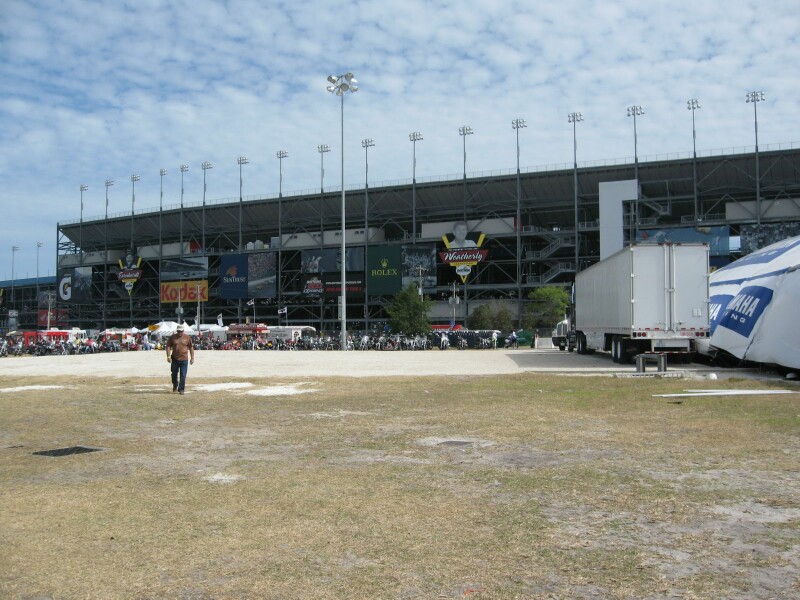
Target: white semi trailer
x: 644, y: 298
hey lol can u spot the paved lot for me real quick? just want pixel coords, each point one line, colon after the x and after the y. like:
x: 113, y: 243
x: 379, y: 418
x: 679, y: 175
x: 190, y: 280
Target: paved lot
x: 217, y: 364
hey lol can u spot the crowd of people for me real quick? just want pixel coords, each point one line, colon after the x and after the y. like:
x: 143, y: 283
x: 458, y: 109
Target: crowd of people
x: 145, y: 341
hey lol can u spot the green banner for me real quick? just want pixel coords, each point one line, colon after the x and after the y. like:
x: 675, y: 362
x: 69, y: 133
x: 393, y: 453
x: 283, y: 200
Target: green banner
x: 384, y: 270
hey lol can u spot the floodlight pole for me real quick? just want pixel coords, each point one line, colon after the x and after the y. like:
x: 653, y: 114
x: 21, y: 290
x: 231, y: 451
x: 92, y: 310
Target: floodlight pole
x: 108, y: 183
x: 242, y: 160
x: 414, y: 136
x: 80, y: 228
x: 38, y: 246
x: 322, y: 149
x: 692, y: 105
x: 340, y: 85
x: 161, y: 173
x: 205, y: 166
x: 755, y: 98
x: 14, y: 250
x: 634, y: 111
x: 134, y: 179
x: 464, y: 131
x: 184, y: 168
x: 575, y: 118
x: 516, y: 125
x: 280, y: 154
x: 366, y: 143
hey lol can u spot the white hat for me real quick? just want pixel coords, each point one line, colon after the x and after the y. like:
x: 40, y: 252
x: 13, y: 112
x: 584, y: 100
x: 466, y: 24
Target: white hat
x: 180, y: 327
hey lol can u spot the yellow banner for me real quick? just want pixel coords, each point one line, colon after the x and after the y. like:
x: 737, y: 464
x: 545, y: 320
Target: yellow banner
x: 184, y: 291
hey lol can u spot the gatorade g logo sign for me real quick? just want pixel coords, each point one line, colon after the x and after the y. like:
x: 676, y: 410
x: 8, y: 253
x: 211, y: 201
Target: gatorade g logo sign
x: 744, y: 310
x: 65, y: 288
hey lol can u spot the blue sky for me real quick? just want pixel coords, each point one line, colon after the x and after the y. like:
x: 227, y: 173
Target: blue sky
x: 95, y: 90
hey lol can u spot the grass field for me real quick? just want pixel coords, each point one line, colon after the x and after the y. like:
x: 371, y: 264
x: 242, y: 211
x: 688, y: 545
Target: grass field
x: 522, y: 486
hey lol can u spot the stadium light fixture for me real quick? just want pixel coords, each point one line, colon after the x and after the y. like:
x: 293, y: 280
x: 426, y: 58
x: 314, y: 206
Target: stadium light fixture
x: 516, y: 125
x: 755, y: 98
x: 414, y: 137
x: 340, y: 85
x: 635, y: 111
x: 693, y: 104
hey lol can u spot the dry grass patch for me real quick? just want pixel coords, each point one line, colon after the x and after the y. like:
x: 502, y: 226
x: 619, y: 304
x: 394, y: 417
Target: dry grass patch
x: 495, y: 487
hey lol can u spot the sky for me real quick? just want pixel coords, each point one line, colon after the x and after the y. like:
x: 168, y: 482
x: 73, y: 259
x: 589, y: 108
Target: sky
x: 95, y: 90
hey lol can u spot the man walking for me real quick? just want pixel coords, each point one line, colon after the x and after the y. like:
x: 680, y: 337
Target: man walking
x: 180, y: 354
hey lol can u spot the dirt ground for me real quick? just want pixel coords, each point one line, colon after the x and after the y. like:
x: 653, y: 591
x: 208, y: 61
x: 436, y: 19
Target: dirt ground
x: 487, y: 474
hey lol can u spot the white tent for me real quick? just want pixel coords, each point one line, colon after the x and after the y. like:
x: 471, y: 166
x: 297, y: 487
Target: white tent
x: 165, y: 328
x: 753, y: 306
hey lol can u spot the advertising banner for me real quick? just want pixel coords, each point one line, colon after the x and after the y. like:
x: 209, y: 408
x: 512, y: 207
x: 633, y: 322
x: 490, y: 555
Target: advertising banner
x: 419, y: 265
x: 75, y: 285
x: 130, y: 270
x: 754, y: 304
x: 177, y: 269
x: 354, y: 283
x: 384, y: 271
x: 717, y: 238
x: 313, y: 287
x: 261, y: 274
x: 328, y: 260
x: 463, y: 249
x: 58, y: 317
x: 184, y: 291
x: 233, y: 276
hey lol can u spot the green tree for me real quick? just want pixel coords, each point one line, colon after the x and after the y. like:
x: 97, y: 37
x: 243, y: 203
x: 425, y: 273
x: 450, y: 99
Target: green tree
x: 408, y: 312
x: 547, y: 307
x: 494, y: 315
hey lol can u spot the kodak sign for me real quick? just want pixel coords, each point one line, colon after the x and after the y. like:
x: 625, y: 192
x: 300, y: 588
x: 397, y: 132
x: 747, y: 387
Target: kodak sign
x: 184, y: 291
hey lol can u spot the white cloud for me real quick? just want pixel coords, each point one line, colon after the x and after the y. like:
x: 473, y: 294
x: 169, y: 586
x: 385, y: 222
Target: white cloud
x: 95, y: 90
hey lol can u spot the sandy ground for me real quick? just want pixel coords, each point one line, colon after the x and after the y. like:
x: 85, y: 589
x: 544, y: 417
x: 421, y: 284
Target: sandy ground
x: 216, y: 364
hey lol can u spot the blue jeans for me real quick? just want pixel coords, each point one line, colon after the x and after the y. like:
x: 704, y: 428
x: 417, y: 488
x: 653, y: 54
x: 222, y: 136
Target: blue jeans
x: 181, y: 366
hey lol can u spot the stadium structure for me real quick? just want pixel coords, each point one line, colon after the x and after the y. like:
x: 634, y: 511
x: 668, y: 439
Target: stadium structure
x: 276, y: 258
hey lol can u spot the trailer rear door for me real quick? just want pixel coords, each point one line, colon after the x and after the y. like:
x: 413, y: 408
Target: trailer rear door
x: 689, y: 305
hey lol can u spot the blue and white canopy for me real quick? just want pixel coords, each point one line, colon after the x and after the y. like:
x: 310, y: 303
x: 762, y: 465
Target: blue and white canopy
x: 755, y: 303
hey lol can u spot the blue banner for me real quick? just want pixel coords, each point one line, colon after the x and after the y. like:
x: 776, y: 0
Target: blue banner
x: 233, y: 280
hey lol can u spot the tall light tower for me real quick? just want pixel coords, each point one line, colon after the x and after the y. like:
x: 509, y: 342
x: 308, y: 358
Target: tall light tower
x: 14, y: 250
x: 414, y: 137
x: 575, y: 118
x: 516, y: 125
x: 464, y: 131
x: 184, y: 168
x: 206, y: 166
x: 161, y: 173
x: 693, y: 104
x: 80, y: 227
x: 134, y: 179
x: 755, y: 98
x: 340, y: 85
x: 242, y: 160
x: 366, y: 143
x: 38, y: 247
x: 635, y: 111
x: 280, y: 154
x: 322, y: 149
x: 108, y: 183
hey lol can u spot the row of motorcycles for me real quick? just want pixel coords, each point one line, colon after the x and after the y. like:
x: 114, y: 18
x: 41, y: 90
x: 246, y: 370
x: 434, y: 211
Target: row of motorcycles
x: 47, y: 348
